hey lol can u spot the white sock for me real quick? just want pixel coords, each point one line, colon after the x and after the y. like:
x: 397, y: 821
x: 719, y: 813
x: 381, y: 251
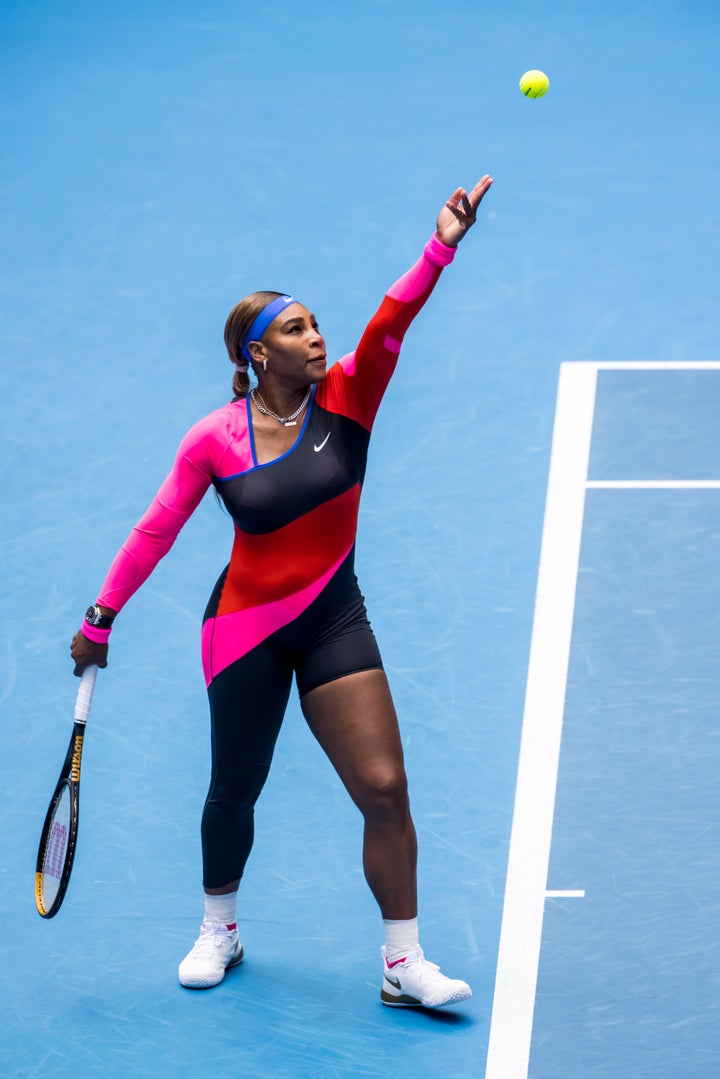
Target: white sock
x: 221, y: 908
x: 401, y: 938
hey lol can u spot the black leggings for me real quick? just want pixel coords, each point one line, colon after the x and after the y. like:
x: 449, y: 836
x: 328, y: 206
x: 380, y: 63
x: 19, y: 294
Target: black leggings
x: 332, y: 638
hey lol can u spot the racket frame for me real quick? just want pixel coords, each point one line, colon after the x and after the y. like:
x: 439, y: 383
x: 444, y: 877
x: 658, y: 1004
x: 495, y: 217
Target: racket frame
x: 69, y: 779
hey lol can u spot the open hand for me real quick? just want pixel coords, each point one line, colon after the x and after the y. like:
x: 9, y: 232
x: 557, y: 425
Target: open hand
x: 460, y: 211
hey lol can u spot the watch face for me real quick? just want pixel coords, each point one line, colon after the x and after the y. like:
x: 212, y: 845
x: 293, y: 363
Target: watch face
x: 91, y: 615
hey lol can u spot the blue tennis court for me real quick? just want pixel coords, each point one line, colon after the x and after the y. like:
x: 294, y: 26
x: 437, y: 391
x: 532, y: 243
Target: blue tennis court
x: 611, y: 906
x: 637, y: 821
x: 537, y: 543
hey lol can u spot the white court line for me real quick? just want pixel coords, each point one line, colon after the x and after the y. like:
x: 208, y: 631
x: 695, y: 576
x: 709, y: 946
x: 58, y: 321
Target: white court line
x: 653, y: 485
x: 529, y: 855
x: 570, y: 893
x: 521, y: 931
x: 653, y: 365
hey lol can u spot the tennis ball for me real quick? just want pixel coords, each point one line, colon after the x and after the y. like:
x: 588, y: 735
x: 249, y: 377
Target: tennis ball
x: 534, y: 83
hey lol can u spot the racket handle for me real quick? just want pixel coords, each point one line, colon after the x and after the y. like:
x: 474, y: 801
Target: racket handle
x: 85, y: 694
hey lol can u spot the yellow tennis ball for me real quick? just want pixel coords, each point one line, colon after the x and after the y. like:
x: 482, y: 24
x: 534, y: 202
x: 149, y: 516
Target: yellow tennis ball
x: 534, y: 83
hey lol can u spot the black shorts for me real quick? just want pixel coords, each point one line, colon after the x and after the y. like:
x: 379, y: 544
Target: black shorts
x: 329, y: 640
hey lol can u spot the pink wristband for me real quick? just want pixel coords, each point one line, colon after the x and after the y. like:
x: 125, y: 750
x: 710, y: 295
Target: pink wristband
x: 439, y: 253
x: 98, y: 636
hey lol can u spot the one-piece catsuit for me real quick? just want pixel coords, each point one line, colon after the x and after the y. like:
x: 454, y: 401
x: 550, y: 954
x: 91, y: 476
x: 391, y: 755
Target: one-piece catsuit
x: 288, y: 603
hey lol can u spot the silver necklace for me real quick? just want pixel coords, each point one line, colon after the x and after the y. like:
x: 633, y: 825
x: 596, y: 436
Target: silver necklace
x: 286, y: 421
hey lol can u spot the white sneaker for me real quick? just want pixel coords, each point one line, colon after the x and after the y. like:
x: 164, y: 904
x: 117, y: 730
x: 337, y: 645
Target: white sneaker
x: 216, y: 949
x: 414, y: 982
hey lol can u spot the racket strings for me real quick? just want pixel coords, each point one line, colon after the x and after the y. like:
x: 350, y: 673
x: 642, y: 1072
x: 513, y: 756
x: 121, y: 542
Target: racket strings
x: 55, y: 855
x: 56, y: 849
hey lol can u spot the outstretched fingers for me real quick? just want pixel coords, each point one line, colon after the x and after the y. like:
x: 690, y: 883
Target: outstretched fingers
x: 457, y: 200
x: 480, y: 190
x: 471, y: 201
x: 459, y: 213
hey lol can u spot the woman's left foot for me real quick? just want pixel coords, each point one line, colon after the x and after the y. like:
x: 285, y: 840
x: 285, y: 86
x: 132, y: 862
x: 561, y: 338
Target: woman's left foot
x: 413, y: 982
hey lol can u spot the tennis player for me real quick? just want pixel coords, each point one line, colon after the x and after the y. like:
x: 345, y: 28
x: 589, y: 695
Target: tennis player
x: 287, y: 456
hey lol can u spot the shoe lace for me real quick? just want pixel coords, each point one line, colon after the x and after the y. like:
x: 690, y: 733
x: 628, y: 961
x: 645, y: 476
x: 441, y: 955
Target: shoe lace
x: 213, y: 935
x: 417, y: 958
x: 425, y: 965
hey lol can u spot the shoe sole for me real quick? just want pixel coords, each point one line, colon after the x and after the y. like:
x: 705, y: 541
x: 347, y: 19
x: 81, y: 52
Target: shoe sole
x: 403, y: 1001
x: 399, y: 1002
x: 209, y: 985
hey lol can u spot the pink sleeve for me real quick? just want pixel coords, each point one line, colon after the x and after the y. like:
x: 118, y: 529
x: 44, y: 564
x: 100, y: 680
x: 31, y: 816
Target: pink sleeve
x: 405, y: 299
x: 357, y: 386
x: 422, y: 276
x: 154, y: 534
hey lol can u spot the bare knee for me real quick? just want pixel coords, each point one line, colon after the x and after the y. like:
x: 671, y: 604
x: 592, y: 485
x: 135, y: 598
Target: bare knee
x: 383, y: 795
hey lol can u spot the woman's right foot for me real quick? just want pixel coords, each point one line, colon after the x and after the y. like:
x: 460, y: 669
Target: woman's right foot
x: 215, y: 951
x: 413, y: 982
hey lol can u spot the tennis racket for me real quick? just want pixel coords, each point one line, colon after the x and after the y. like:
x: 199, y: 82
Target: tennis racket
x: 59, y: 835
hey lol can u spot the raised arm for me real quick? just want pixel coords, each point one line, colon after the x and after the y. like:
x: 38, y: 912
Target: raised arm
x: 414, y: 288
x: 355, y: 386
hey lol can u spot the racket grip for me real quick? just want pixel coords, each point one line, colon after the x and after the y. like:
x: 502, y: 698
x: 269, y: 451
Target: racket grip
x: 85, y: 694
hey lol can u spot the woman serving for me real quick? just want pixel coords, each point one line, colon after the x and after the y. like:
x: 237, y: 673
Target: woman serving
x: 288, y: 460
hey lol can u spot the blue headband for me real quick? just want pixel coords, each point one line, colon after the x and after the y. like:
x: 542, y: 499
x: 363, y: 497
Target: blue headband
x: 261, y: 323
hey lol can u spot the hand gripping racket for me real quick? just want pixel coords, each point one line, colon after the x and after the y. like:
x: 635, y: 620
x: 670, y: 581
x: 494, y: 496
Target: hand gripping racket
x: 59, y: 834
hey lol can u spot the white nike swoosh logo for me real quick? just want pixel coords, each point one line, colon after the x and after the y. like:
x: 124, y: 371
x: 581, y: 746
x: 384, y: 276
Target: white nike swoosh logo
x: 318, y: 448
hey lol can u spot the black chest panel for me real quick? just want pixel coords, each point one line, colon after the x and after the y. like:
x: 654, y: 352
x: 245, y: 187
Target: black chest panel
x: 328, y: 459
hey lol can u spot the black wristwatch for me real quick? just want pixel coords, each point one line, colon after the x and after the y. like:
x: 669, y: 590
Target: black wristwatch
x: 94, y: 617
